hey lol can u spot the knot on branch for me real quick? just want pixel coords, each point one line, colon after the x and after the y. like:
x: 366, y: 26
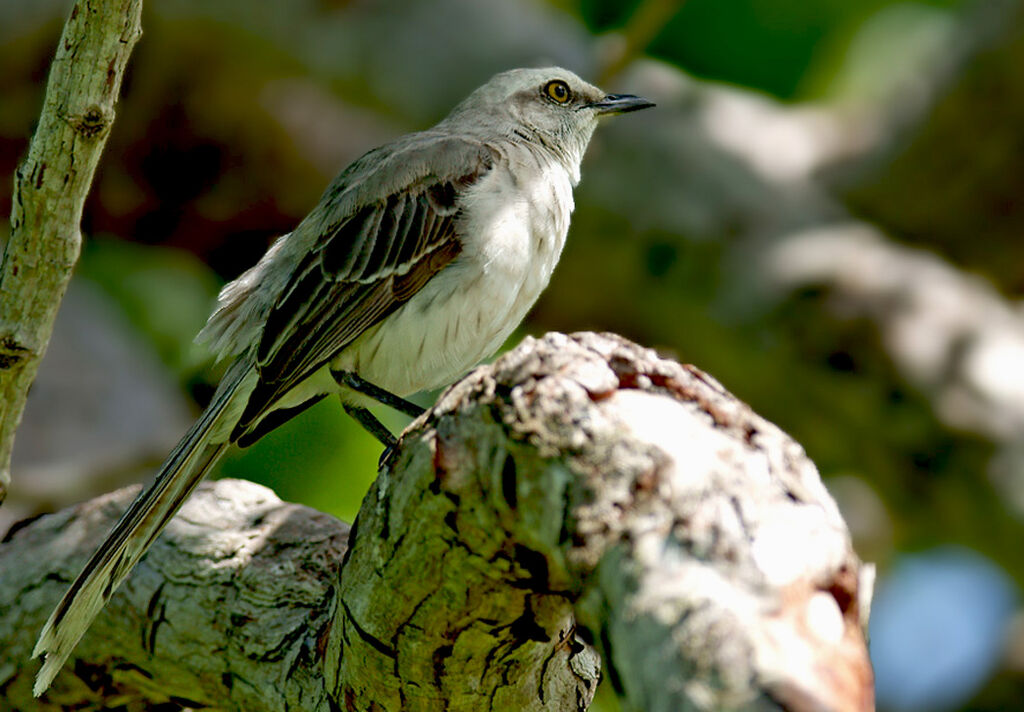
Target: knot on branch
x: 12, y: 353
x: 94, y: 122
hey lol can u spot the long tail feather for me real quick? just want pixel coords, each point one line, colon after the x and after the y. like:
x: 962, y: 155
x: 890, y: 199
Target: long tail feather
x: 190, y: 460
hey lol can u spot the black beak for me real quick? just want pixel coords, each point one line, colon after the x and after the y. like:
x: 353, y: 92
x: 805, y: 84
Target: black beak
x: 620, y: 104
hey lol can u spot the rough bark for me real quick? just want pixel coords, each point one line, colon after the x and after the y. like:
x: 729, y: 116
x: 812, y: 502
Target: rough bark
x: 580, y: 491
x: 50, y: 189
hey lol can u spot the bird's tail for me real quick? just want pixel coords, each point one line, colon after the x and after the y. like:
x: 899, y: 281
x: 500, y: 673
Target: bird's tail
x: 190, y: 460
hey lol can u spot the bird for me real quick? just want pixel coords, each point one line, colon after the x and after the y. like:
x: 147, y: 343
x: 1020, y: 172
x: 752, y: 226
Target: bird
x: 417, y: 263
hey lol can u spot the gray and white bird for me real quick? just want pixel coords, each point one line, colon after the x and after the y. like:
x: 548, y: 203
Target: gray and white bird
x: 417, y: 263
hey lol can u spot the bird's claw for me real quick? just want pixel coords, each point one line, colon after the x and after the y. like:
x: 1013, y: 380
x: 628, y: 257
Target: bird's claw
x: 387, y: 457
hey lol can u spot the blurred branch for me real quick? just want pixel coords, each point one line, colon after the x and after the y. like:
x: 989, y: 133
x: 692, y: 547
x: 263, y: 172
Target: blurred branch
x: 50, y: 189
x: 644, y: 25
x: 579, y: 490
x: 949, y: 332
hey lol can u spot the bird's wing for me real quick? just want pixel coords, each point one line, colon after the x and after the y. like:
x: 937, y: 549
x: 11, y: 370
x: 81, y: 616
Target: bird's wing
x: 367, y: 263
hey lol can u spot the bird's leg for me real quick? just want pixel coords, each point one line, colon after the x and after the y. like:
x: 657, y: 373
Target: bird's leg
x: 376, y: 429
x: 367, y: 419
x: 351, y: 380
x: 373, y: 426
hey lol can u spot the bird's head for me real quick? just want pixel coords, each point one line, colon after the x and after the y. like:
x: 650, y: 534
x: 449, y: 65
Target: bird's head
x: 552, y: 107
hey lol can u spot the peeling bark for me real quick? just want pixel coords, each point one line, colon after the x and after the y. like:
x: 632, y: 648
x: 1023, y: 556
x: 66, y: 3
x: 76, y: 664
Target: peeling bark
x: 580, y: 494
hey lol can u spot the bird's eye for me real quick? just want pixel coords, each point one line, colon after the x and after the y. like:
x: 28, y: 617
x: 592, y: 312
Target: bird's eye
x: 557, y: 90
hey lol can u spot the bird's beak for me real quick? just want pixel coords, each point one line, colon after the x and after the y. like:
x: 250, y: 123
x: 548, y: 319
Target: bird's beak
x: 620, y: 104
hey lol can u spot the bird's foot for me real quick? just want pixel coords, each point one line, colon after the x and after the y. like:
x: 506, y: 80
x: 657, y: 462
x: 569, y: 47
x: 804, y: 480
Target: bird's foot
x: 387, y: 457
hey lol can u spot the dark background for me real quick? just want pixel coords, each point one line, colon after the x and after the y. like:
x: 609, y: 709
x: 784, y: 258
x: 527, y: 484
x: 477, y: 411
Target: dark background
x: 825, y: 212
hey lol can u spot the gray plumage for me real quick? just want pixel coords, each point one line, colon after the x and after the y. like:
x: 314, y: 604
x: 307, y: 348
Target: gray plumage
x: 417, y: 263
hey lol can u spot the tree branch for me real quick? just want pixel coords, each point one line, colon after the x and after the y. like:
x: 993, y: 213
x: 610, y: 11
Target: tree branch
x: 580, y: 490
x: 50, y: 189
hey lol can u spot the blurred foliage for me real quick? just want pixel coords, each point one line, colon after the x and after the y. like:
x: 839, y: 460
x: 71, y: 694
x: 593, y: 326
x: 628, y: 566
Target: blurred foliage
x: 961, y: 197
x: 235, y: 115
x: 335, y: 457
x: 771, y: 45
x: 165, y: 293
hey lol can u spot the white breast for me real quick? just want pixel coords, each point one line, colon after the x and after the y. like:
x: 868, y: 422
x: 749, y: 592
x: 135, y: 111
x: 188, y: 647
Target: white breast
x: 516, y: 219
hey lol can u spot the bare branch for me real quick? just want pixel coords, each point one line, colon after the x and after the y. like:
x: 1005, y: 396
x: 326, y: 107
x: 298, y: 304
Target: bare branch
x: 50, y: 189
x: 579, y: 490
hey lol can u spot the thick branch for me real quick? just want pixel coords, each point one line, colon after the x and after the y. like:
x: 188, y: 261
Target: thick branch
x: 50, y: 189
x: 584, y: 475
x: 580, y: 489
x: 233, y: 595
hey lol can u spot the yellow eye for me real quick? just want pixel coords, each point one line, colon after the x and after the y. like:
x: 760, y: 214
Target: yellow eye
x: 558, y: 91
